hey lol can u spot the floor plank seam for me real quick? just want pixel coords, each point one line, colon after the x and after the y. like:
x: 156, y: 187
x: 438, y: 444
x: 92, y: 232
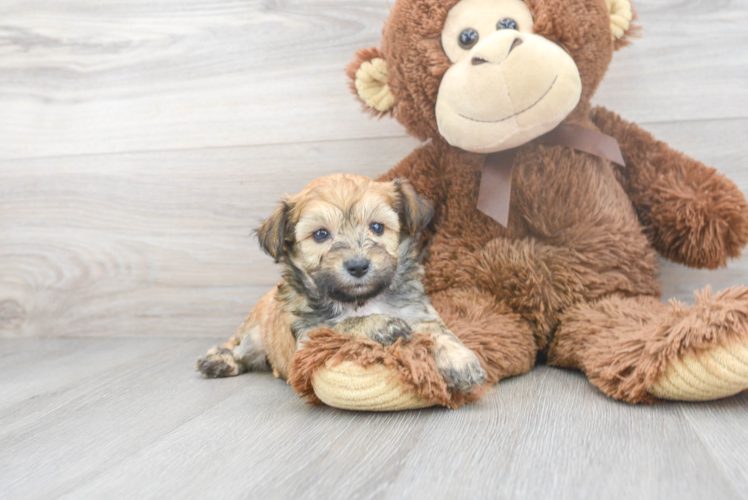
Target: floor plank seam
x: 143, y: 152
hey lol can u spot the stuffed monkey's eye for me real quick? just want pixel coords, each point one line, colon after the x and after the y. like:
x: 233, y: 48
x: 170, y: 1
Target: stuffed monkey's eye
x: 320, y: 235
x: 377, y: 228
x: 507, y: 24
x: 468, y: 38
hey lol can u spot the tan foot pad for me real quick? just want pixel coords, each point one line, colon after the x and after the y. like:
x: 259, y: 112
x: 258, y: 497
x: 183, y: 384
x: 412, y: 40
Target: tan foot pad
x: 352, y: 387
x: 714, y: 374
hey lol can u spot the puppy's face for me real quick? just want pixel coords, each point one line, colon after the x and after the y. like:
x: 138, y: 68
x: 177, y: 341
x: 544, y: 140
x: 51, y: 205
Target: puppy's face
x: 341, y: 235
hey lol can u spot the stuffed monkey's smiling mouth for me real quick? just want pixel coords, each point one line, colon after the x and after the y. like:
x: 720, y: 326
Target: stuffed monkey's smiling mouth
x: 528, y: 108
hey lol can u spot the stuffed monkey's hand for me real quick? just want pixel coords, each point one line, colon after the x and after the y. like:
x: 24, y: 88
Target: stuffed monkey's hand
x: 378, y: 327
x: 700, y: 221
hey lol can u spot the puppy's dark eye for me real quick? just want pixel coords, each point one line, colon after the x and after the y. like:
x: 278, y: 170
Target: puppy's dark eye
x: 468, y: 38
x: 507, y: 24
x: 377, y: 228
x: 320, y: 235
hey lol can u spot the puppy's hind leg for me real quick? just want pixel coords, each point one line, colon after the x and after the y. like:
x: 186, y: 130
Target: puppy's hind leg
x: 242, y: 353
x: 219, y: 362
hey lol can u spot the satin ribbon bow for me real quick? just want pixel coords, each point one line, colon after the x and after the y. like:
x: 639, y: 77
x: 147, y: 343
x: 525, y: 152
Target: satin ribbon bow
x: 496, y: 181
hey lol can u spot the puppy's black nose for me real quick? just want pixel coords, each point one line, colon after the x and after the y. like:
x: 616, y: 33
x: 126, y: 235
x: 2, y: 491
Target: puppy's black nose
x: 357, y: 267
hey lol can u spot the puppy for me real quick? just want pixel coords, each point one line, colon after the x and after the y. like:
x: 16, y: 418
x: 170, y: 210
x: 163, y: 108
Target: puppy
x: 349, y: 249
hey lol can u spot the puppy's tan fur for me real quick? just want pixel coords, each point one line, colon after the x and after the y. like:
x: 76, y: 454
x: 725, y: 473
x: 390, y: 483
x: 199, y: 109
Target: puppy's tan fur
x: 318, y: 289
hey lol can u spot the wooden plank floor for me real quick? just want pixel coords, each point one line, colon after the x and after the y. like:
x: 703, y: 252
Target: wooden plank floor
x: 128, y: 418
x: 142, y: 140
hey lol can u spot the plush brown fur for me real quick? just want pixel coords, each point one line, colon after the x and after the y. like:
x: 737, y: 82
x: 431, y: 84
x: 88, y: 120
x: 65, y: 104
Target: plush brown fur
x: 575, y: 272
x: 691, y: 213
x: 412, y: 360
x: 623, y: 344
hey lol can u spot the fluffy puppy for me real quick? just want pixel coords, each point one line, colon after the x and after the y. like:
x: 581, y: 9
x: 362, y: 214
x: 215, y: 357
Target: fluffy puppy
x: 349, y: 249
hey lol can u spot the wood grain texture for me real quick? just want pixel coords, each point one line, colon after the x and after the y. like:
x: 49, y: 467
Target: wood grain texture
x: 155, y: 244
x: 149, y: 427
x: 141, y: 141
x: 84, y: 77
x: 159, y: 243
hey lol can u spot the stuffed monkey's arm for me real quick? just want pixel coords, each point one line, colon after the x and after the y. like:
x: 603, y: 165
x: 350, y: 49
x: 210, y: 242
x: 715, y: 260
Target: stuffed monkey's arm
x: 692, y: 214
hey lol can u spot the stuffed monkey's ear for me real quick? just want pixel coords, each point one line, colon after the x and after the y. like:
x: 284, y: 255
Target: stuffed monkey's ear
x: 368, y: 74
x: 622, y: 16
x: 273, y: 231
x: 416, y: 212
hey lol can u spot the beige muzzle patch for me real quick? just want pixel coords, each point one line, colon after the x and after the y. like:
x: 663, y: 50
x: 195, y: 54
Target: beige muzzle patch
x: 352, y: 387
x: 509, y: 89
x: 371, y: 85
x: 714, y: 374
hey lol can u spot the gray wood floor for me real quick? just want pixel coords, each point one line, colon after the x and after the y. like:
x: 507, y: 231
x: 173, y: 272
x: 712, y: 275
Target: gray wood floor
x: 142, y: 140
x: 127, y: 418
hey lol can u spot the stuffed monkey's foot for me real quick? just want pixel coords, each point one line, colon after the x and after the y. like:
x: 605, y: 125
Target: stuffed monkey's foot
x: 637, y: 349
x: 219, y: 362
x: 490, y: 332
x: 713, y: 374
x: 375, y: 388
x: 712, y: 357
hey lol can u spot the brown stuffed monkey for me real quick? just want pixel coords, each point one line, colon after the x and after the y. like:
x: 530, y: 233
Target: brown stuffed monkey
x: 569, y: 268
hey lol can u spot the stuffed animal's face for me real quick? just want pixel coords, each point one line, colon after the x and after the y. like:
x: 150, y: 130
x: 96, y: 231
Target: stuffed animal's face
x: 506, y: 84
x: 489, y: 75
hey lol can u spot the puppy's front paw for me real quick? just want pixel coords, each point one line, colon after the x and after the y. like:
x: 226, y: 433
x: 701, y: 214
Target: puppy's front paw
x: 390, y: 330
x: 219, y: 362
x: 460, y: 368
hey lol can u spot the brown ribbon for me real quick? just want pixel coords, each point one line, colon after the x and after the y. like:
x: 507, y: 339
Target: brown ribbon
x: 496, y: 181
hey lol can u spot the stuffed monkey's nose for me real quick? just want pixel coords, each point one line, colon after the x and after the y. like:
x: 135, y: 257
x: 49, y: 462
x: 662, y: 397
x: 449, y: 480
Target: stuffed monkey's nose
x: 497, y: 50
x: 516, y: 43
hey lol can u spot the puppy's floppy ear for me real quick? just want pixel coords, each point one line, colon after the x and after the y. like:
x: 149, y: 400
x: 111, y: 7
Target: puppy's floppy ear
x: 416, y: 212
x: 275, y: 230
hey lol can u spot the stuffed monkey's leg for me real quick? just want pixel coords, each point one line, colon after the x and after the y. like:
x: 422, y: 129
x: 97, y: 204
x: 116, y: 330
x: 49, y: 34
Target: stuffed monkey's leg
x: 500, y: 338
x: 458, y: 365
x: 638, y: 349
x: 538, y: 280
